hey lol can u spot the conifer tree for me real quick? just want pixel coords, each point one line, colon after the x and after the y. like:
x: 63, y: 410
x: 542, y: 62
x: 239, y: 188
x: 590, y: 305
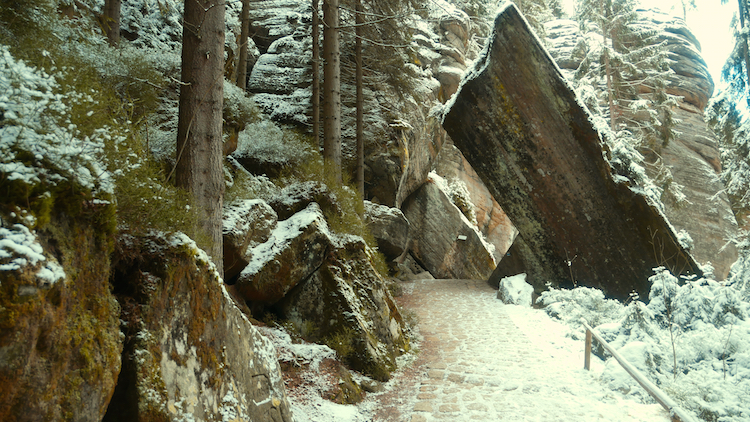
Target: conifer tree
x: 331, y: 90
x: 728, y: 118
x: 199, y: 167
x: 111, y: 21
x: 622, y: 60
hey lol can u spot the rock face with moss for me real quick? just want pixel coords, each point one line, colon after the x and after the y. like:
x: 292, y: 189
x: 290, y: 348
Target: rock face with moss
x: 520, y: 126
x: 443, y: 241
x: 59, y: 340
x: 325, y: 284
x: 189, y: 351
x: 402, y: 138
x: 347, y: 305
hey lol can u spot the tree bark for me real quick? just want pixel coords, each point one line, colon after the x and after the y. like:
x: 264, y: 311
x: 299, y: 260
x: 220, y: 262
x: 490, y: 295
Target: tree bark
x: 199, y: 136
x: 360, y: 176
x: 315, y: 73
x: 743, y: 12
x: 331, y: 90
x: 111, y: 21
x: 244, y: 34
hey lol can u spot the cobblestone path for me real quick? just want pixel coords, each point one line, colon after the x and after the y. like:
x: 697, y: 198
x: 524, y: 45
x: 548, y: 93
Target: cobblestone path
x: 476, y: 364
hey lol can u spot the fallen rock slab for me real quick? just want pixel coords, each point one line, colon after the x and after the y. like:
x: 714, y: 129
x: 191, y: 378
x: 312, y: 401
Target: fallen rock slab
x: 521, y: 128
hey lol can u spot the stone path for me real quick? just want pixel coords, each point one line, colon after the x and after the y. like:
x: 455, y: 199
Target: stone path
x: 476, y: 364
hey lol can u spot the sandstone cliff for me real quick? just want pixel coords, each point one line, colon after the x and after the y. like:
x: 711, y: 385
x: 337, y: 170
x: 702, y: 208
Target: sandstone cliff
x: 694, y: 157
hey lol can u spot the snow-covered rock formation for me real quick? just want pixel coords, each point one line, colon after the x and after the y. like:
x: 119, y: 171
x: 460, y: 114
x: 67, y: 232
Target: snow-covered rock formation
x: 693, y: 157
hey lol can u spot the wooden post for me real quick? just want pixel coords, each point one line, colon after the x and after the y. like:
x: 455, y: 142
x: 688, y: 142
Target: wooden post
x: 676, y: 413
x: 587, y: 356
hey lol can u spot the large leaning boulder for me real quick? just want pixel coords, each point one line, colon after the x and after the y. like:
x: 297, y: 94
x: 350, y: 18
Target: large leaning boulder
x: 491, y: 220
x: 521, y: 128
x: 190, y: 353
x: 443, y: 240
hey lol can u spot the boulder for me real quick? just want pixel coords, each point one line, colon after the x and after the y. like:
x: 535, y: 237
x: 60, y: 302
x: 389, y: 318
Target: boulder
x: 297, y: 196
x: 492, y: 221
x: 246, y: 224
x: 295, y: 249
x: 190, y: 353
x: 523, y: 131
x: 443, y: 240
x: 60, y: 345
x: 515, y: 290
x: 390, y: 228
x: 347, y: 305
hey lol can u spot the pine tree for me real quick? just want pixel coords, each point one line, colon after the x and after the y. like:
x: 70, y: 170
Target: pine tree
x: 729, y: 118
x: 111, y: 21
x: 332, y: 90
x: 244, y: 35
x: 199, y: 168
x: 625, y: 59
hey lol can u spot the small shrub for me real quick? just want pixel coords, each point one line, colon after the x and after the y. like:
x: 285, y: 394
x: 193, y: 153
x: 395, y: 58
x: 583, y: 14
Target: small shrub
x: 342, y: 342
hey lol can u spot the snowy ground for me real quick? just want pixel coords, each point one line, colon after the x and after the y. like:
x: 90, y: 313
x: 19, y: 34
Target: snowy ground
x: 478, y: 360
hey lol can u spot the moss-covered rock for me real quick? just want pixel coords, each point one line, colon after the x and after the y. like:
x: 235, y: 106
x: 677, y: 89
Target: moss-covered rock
x: 189, y: 351
x: 347, y: 305
x: 295, y: 249
x: 60, y: 346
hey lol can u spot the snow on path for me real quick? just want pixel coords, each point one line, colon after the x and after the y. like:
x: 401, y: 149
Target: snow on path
x: 481, y: 360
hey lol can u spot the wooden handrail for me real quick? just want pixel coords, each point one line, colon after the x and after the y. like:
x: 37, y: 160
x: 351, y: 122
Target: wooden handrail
x: 675, y: 412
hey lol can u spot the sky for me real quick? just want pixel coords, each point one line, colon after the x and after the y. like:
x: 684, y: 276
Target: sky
x: 710, y: 24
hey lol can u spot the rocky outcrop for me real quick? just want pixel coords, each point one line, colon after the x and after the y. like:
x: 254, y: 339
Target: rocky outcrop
x: 324, y: 283
x: 294, y: 250
x: 246, y: 224
x: 190, y: 353
x: 443, y: 241
x: 490, y: 217
x: 346, y: 304
x: 402, y: 138
x: 523, y: 131
x: 60, y: 345
x: 390, y: 228
x: 694, y: 156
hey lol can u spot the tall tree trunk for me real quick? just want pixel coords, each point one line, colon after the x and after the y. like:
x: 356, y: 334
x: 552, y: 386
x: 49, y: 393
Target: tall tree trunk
x: 199, y: 140
x: 743, y: 12
x: 244, y: 34
x: 331, y: 90
x: 360, y: 177
x: 608, y: 66
x: 111, y: 21
x: 315, y: 73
